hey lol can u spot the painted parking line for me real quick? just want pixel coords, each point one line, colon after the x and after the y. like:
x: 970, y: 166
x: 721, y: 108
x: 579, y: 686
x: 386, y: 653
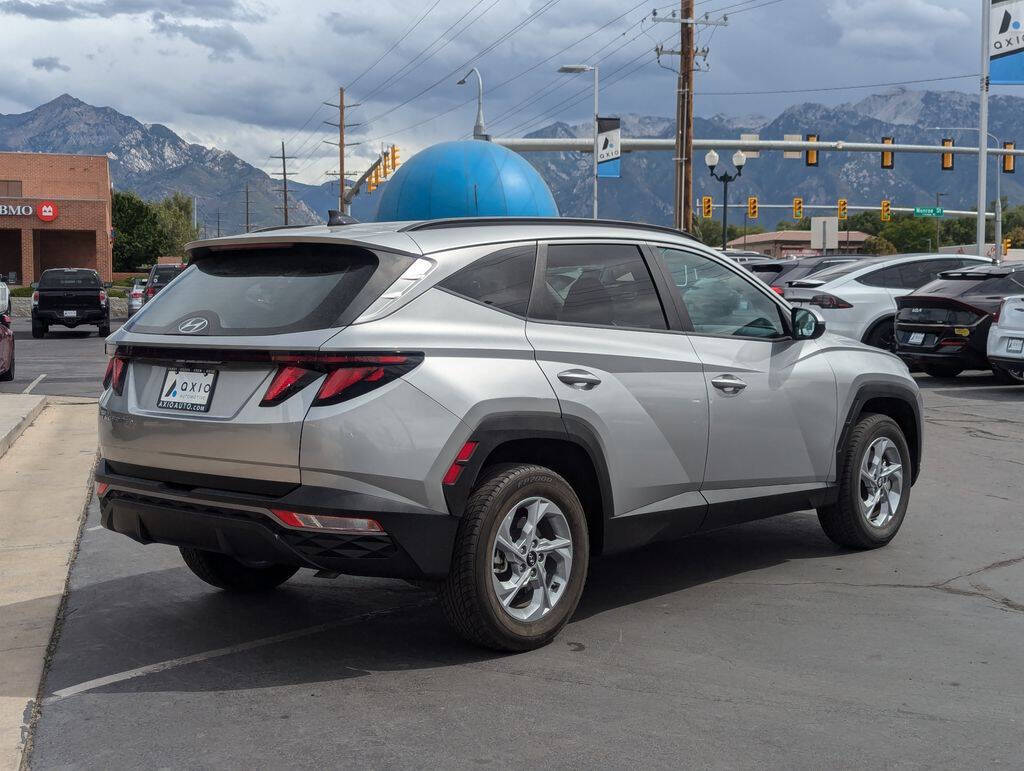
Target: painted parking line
x: 161, y: 666
x: 33, y: 384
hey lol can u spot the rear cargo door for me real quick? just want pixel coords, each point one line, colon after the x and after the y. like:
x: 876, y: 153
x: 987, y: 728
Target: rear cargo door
x: 69, y: 290
x: 204, y: 354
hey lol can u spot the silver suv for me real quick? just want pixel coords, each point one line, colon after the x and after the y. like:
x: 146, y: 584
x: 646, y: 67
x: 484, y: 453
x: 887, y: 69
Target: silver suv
x: 486, y: 405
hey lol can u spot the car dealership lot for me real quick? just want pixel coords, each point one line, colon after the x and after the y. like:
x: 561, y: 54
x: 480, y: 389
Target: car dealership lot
x: 71, y: 361
x: 761, y: 644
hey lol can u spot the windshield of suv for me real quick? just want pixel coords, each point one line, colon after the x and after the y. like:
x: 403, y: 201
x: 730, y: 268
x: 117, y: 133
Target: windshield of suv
x: 164, y: 274
x: 262, y: 291
x: 69, y: 279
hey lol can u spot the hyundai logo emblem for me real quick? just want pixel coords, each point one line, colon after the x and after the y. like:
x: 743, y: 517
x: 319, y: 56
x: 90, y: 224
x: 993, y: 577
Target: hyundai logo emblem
x: 193, y: 325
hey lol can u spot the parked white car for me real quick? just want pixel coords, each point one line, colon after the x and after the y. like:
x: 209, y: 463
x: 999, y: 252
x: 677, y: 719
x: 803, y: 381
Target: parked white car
x: 1006, y: 340
x: 858, y: 299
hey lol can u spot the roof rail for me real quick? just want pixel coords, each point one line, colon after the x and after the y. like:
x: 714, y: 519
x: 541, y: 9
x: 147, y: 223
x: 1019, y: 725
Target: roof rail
x: 468, y: 222
x: 281, y: 227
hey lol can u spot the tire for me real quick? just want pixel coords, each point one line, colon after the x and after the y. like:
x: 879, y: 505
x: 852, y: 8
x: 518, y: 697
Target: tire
x: 845, y: 521
x: 942, y: 370
x: 38, y: 330
x: 231, y: 575
x: 104, y: 329
x: 469, y: 598
x: 882, y: 335
x: 9, y: 374
x: 1009, y: 375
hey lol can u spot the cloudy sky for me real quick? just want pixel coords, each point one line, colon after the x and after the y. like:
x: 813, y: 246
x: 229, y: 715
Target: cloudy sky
x: 244, y: 74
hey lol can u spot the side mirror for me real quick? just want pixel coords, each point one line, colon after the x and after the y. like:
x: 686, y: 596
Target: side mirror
x: 807, y: 324
x: 35, y: 284
x: 5, y: 320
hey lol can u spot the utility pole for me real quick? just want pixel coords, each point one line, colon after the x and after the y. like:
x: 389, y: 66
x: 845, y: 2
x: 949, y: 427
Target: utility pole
x: 284, y: 178
x: 246, y: 207
x: 938, y: 221
x: 684, y: 118
x: 986, y: 11
x: 343, y: 201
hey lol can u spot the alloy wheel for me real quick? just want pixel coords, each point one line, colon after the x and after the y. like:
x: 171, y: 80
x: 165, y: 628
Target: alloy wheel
x: 881, y: 482
x: 531, y: 559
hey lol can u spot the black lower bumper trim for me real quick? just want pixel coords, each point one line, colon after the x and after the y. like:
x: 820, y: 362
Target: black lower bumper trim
x: 417, y: 544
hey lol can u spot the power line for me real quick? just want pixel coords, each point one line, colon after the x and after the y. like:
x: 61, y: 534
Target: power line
x: 394, y: 45
x: 836, y: 88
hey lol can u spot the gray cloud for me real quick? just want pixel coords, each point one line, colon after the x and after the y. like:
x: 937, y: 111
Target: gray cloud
x: 65, y: 10
x: 221, y: 39
x: 50, y: 63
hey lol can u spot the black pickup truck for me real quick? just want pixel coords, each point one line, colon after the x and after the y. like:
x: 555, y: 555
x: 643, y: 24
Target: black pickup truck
x: 69, y: 297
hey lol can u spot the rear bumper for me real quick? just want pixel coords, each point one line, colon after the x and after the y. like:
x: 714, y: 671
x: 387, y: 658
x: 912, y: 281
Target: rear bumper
x: 82, y: 316
x: 418, y: 542
x: 1008, y: 361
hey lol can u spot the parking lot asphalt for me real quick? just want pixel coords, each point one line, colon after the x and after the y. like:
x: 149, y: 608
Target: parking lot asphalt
x: 759, y: 645
x: 70, y: 362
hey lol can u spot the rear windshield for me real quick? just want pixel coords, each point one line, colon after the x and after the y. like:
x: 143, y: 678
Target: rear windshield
x: 69, y: 279
x: 267, y: 291
x: 966, y: 283
x: 166, y: 274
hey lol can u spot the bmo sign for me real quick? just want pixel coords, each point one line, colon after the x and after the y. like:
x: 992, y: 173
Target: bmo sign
x: 46, y: 211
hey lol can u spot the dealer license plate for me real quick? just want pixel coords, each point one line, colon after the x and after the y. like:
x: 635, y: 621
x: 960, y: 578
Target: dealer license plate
x: 70, y: 314
x: 187, y: 390
x: 1014, y: 345
x: 916, y: 338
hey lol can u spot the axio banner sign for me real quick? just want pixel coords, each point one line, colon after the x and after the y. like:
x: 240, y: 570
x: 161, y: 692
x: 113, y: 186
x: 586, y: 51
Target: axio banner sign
x: 609, y: 147
x: 1006, y: 43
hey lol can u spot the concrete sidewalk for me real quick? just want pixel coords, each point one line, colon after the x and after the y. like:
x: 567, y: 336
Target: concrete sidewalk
x: 17, y: 411
x: 44, y: 489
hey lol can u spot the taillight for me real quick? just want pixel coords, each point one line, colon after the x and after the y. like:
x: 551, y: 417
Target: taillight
x: 829, y: 301
x: 136, y: 294
x: 101, y: 489
x: 778, y: 290
x: 35, y: 298
x: 117, y: 368
x: 999, y: 312
x: 150, y: 291
x: 103, y: 297
x: 347, y: 375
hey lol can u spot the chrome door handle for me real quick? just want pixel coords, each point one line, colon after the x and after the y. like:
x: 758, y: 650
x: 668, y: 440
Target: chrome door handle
x: 579, y: 379
x: 729, y: 384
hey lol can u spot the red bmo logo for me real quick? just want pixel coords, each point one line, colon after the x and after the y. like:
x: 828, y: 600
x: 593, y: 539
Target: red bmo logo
x: 47, y: 211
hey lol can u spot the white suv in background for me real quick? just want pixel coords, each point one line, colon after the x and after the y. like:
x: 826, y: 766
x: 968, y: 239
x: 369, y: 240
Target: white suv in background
x: 858, y: 299
x: 1006, y: 340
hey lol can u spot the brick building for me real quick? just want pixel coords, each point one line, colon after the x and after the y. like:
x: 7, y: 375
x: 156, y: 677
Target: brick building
x: 54, y: 213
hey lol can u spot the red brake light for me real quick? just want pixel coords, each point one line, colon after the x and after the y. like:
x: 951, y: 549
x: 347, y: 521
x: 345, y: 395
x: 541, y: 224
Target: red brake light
x: 348, y: 375
x: 35, y: 298
x: 829, y: 301
x: 778, y: 290
x: 289, y: 380
x: 101, y: 489
x: 117, y: 368
x: 999, y: 312
x: 103, y: 296
x: 150, y: 291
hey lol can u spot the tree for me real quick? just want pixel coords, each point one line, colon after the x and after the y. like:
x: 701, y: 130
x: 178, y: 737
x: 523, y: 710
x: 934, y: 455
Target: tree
x: 908, y: 234
x: 1016, y: 237
x: 804, y: 224
x: 878, y: 245
x: 145, y: 231
x: 174, y: 214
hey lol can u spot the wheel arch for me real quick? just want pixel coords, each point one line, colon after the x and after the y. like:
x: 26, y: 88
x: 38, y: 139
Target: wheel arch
x: 897, y: 402
x: 567, y: 446
x: 888, y: 317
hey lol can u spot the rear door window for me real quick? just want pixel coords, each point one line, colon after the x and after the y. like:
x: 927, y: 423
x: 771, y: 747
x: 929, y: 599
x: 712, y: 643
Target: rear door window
x: 163, y: 276
x: 603, y: 284
x: 501, y: 280
x: 276, y: 290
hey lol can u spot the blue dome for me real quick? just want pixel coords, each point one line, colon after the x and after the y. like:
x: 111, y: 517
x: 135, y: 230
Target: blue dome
x: 473, y: 178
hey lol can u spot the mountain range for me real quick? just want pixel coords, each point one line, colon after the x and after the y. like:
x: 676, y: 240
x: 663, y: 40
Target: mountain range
x: 154, y: 161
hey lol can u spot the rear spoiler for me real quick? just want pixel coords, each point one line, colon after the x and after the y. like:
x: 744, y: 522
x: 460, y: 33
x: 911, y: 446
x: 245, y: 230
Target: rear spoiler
x: 807, y: 283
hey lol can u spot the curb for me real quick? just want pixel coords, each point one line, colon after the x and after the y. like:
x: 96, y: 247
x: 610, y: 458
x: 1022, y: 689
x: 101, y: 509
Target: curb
x: 19, y: 428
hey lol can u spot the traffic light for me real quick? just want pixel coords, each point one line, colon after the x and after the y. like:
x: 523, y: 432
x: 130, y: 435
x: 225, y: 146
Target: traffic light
x: 886, y: 211
x: 394, y: 157
x: 947, y: 158
x: 385, y: 159
x: 887, y: 155
x: 1009, y: 161
x: 752, y: 207
x: 841, y: 207
x: 373, y: 180
x: 798, y: 209
x: 1006, y: 246
x: 811, y: 156
x: 705, y: 207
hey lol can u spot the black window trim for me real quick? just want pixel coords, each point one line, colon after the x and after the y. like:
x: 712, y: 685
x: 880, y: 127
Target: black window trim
x: 668, y: 309
x: 785, y: 309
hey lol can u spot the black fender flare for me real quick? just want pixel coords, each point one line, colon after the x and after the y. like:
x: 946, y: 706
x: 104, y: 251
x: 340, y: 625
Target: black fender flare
x: 870, y: 391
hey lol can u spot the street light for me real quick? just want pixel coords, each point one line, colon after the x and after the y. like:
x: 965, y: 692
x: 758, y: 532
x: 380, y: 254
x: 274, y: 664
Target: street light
x: 999, y: 196
x: 479, y: 132
x: 738, y: 160
x: 576, y: 69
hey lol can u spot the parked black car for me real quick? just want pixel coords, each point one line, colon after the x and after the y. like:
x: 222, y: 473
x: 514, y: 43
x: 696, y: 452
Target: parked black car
x: 69, y: 297
x: 943, y: 326
x: 776, y: 273
x: 159, y: 277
